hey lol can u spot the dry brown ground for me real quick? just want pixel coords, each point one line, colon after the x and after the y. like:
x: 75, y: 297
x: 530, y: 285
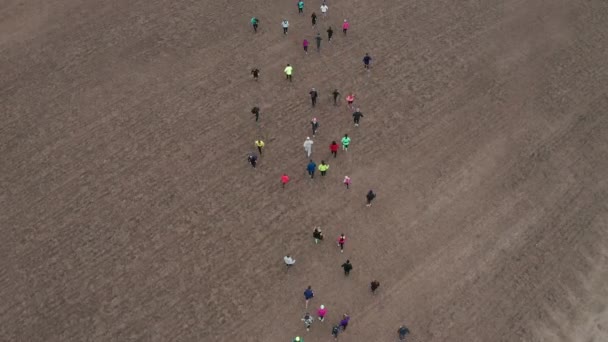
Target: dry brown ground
x: 128, y: 212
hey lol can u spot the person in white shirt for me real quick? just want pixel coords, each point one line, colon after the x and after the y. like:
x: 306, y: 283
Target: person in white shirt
x: 289, y: 261
x: 308, y: 146
x: 285, y: 25
x: 324, y: 9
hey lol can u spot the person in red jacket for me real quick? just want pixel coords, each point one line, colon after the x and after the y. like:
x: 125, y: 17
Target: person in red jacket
x: 341, y: 242
x: 334, y: 148
x: 284, y: 180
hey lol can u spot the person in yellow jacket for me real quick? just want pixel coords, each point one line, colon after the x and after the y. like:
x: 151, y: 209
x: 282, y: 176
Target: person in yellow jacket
x: 288, y: 71
x: 323, y: 167
x: 259, y: 144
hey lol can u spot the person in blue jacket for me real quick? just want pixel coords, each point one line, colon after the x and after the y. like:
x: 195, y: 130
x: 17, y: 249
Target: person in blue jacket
x: 311, y: 168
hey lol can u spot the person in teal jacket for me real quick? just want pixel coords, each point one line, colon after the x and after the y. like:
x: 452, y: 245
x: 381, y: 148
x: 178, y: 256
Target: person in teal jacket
x: 300, y: 7
x: 254, y: 22
x: 345, y: 142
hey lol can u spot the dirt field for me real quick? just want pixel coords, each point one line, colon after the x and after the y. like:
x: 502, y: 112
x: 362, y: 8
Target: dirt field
x: 128, y: 211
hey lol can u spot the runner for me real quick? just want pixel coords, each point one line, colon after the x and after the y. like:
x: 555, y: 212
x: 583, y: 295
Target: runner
x: 347, y: 266
x: 313, y: 18
x: 335, y: 331
x: 357, y: 115
x: 256, y: 111
x: 330, y: 33
x: 288, y: 71
x: 345, y: 142
x: 345, y: 26
x: 259, y: 144
x: 318, y: 39
x: 300, y: 7
x: 305, y: 45
x: 324, y: 9
x: 254, y: 23
x: 308, y: 146
x: 345, y: 320
x: 323, y: 168
x: 289, y: 261
x: 334, y: 148
x: 341, y: 242
x: 346, y: 182
x: 370, y: 197
x: 252, y: 159
x: 298, y: 339
x: 366, y: 61
x: 374, y: 285
x: 311, y: 167
x: 308, y: 295
x: 313, y: 96
x: 335, y: 94
x: 285, y: 25
x: 403, y: 331
x: 350, y: 98
x: 321, y: 313
x: 317, y: 234
x: 308, y: 321
x: 315, y: 126
x: 284, y: 180
x: 255, y: 73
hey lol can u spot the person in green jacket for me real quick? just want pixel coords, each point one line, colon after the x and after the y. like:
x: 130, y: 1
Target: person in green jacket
x: 300, y: 7
x: 323, y: 167
x: 345, y: 142
x: 254, y: 22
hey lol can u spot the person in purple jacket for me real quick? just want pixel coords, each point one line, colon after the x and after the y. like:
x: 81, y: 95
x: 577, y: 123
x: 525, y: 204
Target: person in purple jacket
x: 344, y: 322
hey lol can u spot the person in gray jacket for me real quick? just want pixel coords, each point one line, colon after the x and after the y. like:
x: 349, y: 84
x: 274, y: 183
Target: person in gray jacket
x: 308, y: 146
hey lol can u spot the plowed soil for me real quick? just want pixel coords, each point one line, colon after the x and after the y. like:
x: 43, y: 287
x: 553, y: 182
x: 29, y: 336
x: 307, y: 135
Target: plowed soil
x: 128, y: 211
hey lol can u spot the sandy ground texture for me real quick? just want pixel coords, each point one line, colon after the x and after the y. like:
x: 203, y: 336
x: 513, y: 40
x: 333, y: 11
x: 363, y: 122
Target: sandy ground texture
x: 128, y: 211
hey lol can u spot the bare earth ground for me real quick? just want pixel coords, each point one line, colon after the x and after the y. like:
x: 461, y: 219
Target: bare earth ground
x: 128, y: 212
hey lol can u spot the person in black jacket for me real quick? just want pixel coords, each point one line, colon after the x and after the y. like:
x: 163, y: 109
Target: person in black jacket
x: 256, y: 111
x: 347, y: 266
x: 313, y: 96
x: 317, y: 234
x: 370, y: 197
x: 357, y: 115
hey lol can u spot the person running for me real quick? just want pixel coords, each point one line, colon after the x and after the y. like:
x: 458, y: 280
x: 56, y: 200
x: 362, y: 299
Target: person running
x: 367, y: 61
x: 308, y: 320
x: 298, y: 339
x: 346, y: 182
x: 374, y: 285
x: 370, y: 197
x: 254, y: 22
x: 345, y: 142
x: 315, y: 126
x: 335, y: 94
x: 285, y: 25
x: 350, y: 98
x: 324, y: 9
x: 284, y: 180
x: 335, y: 330
x: 344, y: 322
x: 317, y: 234
x: 255, y: 73
x: 252, y: 159
x: 334, y: 148
x: 313, y: 18
x: 259, y: 144
x: 318, y: 39
x: 308, y: 295
x: 345, y: 26
x: 311, y: 167
x: 403, y: 331
x: 288, y: 72
x: 341, y: 242
x: 357, y: 115
x: 322, y: 312
x: 289, y: 261
x: 256, y: 111
x: 308, y: 146
x: 347, y: 266
x: 313, y: 96
x: 330, y: 33
x: 305, y: 46
x: 300, y: 7
x: 323, y: 168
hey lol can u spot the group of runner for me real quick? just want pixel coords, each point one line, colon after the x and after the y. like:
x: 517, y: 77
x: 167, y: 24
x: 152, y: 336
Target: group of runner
x: 323, y: 167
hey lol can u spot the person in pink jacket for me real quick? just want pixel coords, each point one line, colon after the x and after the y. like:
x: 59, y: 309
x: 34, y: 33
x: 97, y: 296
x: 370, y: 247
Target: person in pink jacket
x: 345, y: 26
x: 347, y: 181
x: 341, y: 242
x: 305, y: 45
x: 321, y: 313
